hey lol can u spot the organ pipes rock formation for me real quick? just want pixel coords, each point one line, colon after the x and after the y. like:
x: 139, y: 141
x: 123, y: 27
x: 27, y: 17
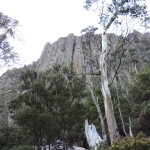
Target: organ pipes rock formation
x: 82, y: 52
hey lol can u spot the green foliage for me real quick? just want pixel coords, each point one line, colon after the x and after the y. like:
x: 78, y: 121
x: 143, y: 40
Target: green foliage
x: 134, y: 9
x: 10, y: 136
x: 139, y: 93
x: 140, y: 142
x: 91, y: 111
x: 7, y: 26
x: 117, y: 93
x: 22, y: 147
x: 136, y: 104
x: 50, y: 106
x: 141, y: 86
x: 92, y: 115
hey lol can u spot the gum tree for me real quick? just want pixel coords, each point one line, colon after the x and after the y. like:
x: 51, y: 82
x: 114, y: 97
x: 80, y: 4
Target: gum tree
x: 110, y: 12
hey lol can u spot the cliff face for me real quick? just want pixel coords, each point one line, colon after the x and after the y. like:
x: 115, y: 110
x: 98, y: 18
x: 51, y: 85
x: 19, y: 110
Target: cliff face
x: 82, y: 52
x: 73, y: 50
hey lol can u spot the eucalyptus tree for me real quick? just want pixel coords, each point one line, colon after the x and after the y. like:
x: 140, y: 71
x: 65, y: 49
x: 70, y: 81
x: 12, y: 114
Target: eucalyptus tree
x: 110, y: 12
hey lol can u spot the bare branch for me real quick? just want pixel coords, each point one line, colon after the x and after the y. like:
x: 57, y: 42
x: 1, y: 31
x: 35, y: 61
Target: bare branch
x: 116, y: 72
x: 114, y: 16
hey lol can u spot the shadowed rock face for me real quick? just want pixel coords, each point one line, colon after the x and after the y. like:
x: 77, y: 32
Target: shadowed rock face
x: 73, y: 50
x: 81, y: 52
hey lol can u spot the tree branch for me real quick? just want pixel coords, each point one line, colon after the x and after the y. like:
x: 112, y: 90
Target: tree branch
x: 114, y: 16
x: 116, y: 72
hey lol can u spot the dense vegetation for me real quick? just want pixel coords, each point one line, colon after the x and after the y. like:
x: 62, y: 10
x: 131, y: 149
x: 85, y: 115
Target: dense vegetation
x: 54, y: 105
x: 49, y: 107
x: 140, y: 101
x: 140, y: 142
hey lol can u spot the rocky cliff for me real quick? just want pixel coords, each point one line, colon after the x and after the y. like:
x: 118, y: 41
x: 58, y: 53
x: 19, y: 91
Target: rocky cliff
x: 73, y: 50
x: 82, y: 52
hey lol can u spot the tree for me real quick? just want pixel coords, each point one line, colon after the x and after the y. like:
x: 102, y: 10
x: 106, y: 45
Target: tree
x: 10, y: 136
x: 49, y: 106
x: 110, y: 11
x: 139, y: 93
x: 90, y: 73
x: 7, y: 26
x: 140, y: 142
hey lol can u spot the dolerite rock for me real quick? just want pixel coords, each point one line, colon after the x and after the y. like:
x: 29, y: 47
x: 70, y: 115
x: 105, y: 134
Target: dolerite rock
x: 60, y: 52
x: 9, y: 89
x: 83, y: 53
x: 74, y: 50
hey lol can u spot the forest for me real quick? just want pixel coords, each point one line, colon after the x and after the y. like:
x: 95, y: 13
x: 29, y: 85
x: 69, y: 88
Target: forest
x: 111, y: 93
x: 57, y: 103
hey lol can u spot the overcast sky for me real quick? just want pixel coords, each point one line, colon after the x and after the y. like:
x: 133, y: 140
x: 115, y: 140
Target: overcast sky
x: 45, y: 21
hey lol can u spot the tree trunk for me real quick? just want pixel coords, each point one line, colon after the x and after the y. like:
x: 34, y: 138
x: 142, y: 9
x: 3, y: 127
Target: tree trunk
x: 121, y: 117
x: 111, y: 121
x: 130, y: 130
x: 89, y: 71
x: 93, y: 138
x: 95, y: 100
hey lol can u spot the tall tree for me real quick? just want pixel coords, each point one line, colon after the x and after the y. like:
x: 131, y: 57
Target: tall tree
x: 90, y: 85
x: 49, y: 106
x: 110, y: 11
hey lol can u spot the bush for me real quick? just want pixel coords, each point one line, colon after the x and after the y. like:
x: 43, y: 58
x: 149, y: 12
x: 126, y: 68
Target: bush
x: 22, y: 147
x: 140, y: 142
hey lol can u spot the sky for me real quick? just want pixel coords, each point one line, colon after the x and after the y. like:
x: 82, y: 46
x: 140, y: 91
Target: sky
x: 43, y: 21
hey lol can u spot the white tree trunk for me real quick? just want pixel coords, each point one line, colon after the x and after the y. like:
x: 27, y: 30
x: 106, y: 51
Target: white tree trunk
x: 111, y: 121
x: 121, y: 117
x: 95, y: 100
x: 130, y: 130
x: 92, y: 136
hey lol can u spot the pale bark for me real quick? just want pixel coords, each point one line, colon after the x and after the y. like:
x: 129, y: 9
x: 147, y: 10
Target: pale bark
x: 95, y: 100
x: 110, y: 117
x: 89, y: 73
x: 92, y: 136
x: 120, y: 113
x: 130, y: 130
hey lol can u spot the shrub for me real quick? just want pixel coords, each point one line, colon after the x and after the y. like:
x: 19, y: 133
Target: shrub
x: 22, y: 147
x: 140, y: 142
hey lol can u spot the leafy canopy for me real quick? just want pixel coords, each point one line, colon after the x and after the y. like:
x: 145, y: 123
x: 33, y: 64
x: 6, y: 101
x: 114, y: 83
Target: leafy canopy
x: 7, y: 30
x: 50, y: 106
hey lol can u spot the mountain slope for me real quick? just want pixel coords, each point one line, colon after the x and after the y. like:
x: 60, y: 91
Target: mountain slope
x: 82, y: 53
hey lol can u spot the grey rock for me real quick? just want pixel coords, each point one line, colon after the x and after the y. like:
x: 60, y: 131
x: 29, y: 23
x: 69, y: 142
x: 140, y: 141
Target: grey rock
x: 82, y: 52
